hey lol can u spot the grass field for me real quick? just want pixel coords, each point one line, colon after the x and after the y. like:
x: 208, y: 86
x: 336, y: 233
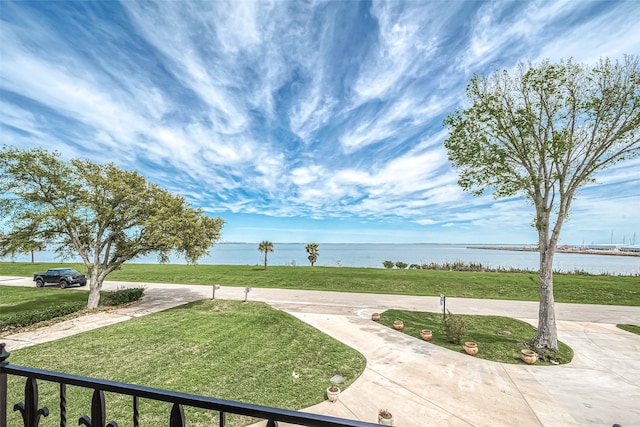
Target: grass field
x: 22, y: 306
x: 16, y: 300
x: 226, y: 349
x: 499, y: 338
x: 568, y: 288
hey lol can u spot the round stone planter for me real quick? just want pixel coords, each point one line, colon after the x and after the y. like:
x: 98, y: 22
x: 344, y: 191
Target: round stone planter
x: 385, y: 418
x: 332, y: 393
x: 471, y: 348
x: 426, y: 334
x: 375, y: 317
x: 398, y: 324
x: 528, y: 356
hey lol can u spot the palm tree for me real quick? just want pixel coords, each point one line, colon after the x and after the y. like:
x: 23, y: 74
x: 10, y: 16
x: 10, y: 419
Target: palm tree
x: 265, y: 246
x: 312, y: 250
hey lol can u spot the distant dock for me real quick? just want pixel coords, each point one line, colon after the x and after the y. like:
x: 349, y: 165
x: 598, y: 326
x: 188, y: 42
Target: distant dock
x: 522, y: 248
x: 614, y: 250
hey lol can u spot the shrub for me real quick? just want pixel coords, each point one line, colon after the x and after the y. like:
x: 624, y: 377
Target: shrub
x: 455, y: 327
x: 388, y: 264
x: 31, y: 317
x: 547, y: 355
x: 122, y: 296
x: 401, y: 265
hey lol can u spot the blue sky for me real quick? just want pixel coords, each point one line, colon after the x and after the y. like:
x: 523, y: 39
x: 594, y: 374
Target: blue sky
x: 302, y: 121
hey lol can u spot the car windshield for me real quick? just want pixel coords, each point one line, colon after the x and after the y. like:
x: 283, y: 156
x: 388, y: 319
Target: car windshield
x: 67, y: 271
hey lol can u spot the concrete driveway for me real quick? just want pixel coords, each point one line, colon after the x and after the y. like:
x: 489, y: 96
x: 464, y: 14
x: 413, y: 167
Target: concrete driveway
x: 422, y: 384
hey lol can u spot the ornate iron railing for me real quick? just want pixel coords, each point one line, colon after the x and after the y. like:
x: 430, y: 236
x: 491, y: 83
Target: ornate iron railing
x: 31, y: 413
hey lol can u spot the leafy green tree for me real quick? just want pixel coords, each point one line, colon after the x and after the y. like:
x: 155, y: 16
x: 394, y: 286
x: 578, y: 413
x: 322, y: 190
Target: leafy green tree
x: 265, y: 247
x: 401, y: 265
x: 104, y: 214
x: 388, y: 264
x: 24, y: 245
x: 542, y: 132
x: 312, y: 250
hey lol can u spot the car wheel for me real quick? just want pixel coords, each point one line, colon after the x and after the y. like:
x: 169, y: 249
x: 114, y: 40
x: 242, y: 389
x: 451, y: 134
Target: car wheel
x: 63, y: 284
x: 83, y: 284
x: 39, y: 283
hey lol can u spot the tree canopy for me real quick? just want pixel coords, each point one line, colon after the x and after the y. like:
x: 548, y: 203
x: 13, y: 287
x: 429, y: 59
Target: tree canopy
x: 100, y: 212
x: 543, y: 132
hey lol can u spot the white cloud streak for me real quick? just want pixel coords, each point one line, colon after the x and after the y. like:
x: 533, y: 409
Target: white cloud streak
x: 315, y: 109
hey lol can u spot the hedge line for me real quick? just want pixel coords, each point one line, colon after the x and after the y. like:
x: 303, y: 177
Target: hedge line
x: 31, y: 317
x: 27, y: 318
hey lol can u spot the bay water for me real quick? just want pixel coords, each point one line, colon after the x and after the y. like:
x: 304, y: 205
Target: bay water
x: 372, y: 255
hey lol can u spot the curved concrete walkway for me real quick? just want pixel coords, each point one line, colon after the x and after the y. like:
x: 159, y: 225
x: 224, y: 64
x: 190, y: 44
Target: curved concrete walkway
x: 423, y: 384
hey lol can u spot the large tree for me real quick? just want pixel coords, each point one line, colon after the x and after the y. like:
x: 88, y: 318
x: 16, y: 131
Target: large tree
x: 265, y: 247
x: 23, y: 245
x: 104, y: 214
x: 312, y: 250
x: 543, y: 131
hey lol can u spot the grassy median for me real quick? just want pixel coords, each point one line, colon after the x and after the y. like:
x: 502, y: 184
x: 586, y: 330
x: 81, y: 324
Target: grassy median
x: 499, y: 338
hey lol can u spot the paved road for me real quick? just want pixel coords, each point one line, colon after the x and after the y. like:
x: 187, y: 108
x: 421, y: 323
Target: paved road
x: 422, y: 384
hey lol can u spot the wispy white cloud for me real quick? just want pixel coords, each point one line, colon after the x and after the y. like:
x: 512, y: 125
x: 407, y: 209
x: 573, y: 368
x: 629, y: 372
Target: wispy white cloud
x: 181, y: 32
x: 495, y: 29
x: 295, y: 109
x: 408, y: 34
x: 611, y: 33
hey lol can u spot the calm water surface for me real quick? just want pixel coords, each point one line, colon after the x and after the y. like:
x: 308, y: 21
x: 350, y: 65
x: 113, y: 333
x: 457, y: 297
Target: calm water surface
x: 372, y: 255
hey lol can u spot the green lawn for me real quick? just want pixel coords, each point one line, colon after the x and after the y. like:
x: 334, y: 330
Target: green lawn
x: 19, y: 299
x: 22, y: 306
x: 630, y: 328
x: 568, y: 288
x: 227, y: 349
x: 499, y: 339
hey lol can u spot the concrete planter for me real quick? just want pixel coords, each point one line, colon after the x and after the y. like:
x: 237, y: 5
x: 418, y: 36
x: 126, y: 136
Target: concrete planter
x: 528, y: 356
x: 332, y: 393
x: 471, y: 348
x: 385, y: 418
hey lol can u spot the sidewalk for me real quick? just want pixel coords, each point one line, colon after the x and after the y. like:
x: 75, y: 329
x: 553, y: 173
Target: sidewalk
x: 422, y: 384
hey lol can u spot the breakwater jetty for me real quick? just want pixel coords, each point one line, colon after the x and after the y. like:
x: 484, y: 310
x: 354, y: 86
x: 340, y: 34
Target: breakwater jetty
x: 614, y: 250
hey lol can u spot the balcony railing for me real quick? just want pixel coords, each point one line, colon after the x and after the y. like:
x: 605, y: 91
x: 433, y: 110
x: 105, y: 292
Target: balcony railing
x: 32, y: 413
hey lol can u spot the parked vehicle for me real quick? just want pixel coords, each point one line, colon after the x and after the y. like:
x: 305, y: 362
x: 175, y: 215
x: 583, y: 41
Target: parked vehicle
x: 64, y: 277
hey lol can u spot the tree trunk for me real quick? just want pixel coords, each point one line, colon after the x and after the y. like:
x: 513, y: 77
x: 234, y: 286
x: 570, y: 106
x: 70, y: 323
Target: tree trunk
x: 546, y: 337
x: 94, y: 295
x: 95, y: 286
x: 265, y: 260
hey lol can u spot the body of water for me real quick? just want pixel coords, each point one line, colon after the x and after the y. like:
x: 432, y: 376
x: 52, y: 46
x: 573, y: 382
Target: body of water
x: 373, y: 255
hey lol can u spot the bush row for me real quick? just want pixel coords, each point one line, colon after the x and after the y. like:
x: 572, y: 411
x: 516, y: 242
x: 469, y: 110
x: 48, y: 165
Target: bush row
x: 31, y: 317
x: 466, y: 266
x: 451, y: 266
x: 122, y: 296
x: 27, y: 318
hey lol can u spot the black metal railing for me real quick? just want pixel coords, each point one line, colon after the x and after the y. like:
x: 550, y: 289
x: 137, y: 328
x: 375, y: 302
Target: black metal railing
x: 31, y: 413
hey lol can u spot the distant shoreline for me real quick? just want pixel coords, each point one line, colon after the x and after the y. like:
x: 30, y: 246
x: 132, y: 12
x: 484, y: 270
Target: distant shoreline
x: 564, y: 251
